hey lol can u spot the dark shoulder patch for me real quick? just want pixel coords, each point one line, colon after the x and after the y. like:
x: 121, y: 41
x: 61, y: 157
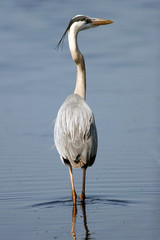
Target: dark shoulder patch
x: 66, y: 161
x: 77, y: 158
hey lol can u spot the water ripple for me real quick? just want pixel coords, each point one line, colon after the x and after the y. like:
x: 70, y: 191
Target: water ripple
x: 88, y: 201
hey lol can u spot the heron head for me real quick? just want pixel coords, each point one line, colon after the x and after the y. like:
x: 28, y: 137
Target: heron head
x: 81, y: 22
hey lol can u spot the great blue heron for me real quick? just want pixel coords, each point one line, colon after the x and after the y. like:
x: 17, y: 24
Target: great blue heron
x: 75, y: 133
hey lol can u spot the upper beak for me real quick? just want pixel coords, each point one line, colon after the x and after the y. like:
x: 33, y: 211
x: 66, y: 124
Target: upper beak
x: 99, y: 21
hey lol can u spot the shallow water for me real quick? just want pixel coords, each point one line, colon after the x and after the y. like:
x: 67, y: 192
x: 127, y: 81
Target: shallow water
x: 123, y: 186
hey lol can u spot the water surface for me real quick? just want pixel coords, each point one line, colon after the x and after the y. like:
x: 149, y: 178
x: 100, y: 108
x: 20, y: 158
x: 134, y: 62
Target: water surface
x: 123, y: 186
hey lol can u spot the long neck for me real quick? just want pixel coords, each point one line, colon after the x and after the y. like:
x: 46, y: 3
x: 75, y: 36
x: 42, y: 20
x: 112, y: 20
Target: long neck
x: 77, y: 56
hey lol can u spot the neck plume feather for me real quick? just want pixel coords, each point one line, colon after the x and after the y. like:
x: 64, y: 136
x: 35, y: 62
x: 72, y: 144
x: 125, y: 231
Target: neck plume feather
x: 78, y: 58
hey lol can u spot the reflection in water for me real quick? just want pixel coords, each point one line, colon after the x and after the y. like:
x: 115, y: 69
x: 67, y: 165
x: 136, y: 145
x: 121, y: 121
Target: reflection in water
x: 74, y: 215
x: 67, y: 204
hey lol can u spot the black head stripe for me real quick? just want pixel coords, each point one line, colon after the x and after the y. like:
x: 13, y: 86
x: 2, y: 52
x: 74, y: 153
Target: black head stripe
x: 77, y: 19
x: 73, y: 20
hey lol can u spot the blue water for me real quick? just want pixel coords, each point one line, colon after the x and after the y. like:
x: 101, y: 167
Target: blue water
x: 122, y: 61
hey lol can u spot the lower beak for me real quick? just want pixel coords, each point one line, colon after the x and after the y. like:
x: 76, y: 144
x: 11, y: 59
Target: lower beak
x: 99, y: 21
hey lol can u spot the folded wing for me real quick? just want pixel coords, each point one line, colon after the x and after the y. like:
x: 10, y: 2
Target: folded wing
x: 75, y: 132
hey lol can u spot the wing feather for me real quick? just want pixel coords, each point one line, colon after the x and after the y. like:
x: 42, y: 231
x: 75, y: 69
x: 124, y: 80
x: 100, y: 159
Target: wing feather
x: 75, y: 132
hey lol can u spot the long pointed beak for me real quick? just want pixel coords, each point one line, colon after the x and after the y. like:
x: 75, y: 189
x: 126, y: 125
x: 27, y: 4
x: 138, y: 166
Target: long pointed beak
x: 99, y: 21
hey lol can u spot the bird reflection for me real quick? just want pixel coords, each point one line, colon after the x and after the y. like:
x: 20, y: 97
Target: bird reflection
x: 74, y: 215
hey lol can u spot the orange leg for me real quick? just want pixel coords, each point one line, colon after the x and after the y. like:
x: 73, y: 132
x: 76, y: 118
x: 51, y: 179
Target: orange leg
x: 74, y: 195
x: 82, y: 196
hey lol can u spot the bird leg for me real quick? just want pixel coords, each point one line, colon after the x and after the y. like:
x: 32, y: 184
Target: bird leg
x: 82, y: 196
x: 74, y: 195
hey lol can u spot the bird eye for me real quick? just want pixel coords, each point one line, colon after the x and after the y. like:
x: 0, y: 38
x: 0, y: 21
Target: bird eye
x: 88, y: 20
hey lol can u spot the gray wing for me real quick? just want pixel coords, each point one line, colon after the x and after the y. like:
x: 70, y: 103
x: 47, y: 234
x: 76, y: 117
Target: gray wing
x: 75, y: 132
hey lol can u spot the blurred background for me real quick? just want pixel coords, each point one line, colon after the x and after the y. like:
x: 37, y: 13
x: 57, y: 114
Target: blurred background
x: 122, y: 62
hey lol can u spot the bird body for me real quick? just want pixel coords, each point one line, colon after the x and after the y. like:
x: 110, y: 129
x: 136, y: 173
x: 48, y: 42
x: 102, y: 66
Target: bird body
x: 75, y: 133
